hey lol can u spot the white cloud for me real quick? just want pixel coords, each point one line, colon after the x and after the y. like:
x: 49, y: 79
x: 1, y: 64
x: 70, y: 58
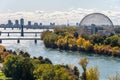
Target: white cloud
x: 59, y: 17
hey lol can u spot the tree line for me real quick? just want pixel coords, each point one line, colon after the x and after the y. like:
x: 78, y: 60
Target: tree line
x: 20, y: 66
x: 67, y: 38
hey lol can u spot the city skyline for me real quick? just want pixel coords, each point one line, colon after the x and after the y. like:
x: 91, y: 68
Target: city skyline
x: 57, y: 11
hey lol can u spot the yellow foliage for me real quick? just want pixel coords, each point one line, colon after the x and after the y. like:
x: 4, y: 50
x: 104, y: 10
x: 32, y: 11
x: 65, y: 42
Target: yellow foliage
x: 80, y: 41
x: 87, y: 45
x: 115, y: 77
x: 61, y: 42
x: 83, y: 62
x: 116, y: 50
x: 7, y: 57
x: 92, y: 74
x: 72, y: 41
x: 2, y: 48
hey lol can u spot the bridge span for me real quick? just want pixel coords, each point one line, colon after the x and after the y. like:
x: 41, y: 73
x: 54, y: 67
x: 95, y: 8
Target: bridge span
x: 20, y: 38
x: 22, y: 35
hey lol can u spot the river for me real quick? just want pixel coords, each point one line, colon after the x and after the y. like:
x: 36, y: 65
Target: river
x: 107, y: 66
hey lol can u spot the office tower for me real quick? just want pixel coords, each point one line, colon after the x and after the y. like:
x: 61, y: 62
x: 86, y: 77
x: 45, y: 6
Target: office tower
x: 10, y: 24
x: 22, y: 21
x: 40, y: 24
x: 29, y: 23
x: 16, y: 23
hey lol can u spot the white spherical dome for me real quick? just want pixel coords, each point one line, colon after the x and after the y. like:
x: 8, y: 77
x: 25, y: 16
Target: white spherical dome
x: 96, y: 23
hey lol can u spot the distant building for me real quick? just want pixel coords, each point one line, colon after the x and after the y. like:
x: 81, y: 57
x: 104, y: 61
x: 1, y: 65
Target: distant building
x: 93, y: 29
x: 10, y: 24
x: 96, y: 23
x: 40, y: 24
x: 29, y: 24
x: 21, y: 21
x: 77, y: 24
x: 52, y: 25
x: 16, y: 23
x: 35, y: 25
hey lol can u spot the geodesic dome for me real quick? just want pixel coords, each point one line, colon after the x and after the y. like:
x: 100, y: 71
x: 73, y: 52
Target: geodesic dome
x: 96, y: 23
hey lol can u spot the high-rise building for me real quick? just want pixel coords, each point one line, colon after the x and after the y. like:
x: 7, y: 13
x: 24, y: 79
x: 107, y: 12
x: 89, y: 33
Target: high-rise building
x: 35, y: 24
x: 29, y: 23
x: 10, y: 24
x: 52, y: 24
x: 40, y: 24
x: 22, y: 21
x: 16, y: 23
x: 93, y: 29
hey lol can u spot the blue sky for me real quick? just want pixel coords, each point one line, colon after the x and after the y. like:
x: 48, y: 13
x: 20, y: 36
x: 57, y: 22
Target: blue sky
x: 58, y: 11
x: 52, y: 5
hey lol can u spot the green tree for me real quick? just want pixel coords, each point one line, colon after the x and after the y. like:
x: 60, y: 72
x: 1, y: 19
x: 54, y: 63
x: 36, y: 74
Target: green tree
x: 96, y: 39
x: 50, y: 39
x: 112, y: 40
x: 52, y: 72
x: 19, y: 68
x: 44, y: 33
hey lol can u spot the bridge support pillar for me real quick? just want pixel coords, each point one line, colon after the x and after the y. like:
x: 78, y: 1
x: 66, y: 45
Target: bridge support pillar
x: 8, y: 34
x: 35, y: 41
x: 22, y: 32
x: 0, y: 40
x: 18, y: 41
x: 35, y: 34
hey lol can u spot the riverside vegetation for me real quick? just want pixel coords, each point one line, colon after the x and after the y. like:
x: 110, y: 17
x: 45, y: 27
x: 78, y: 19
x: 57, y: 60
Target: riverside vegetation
x: 67, y: 38
x: 18, y: 65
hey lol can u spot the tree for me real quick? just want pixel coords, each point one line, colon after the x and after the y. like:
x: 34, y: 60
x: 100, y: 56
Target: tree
x: 24, y: 54
x: 80, y: 41
x: 96, y: 39
x: 112, y: 40
x: 115, y: 51
x: 18, y: 67
x: 72, y: 44
x: 92, y: 74
x: 52, y: 72
x: 2, y: 48
x: 83, y: 62
x: 44, y: 33
x: 87, y: 45
x: 76, y: 34
x: 50, y: 39
x: 115, y: 77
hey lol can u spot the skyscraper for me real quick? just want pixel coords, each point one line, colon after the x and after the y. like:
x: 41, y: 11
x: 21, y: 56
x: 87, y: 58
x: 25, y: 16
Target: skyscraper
x: 29, y: 23
x: 16, y: 23
x: 22, y: 21
x: 10, y: 24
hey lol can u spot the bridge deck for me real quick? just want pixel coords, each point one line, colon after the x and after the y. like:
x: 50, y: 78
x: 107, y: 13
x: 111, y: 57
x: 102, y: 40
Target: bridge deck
x: 20, y: 32
x: 20, y: 38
